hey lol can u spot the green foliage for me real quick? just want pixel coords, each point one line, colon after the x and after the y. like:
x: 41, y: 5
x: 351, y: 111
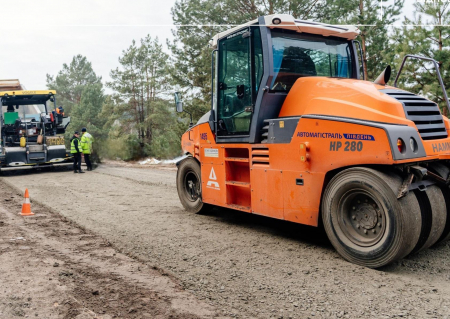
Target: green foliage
x: 139, y: 119
x: 80, y: 92
x: 166, y: 133
x: 122, y: 146
x: 200, y: 20
x: 71, y: 81
x: 141, y: 103
x: 373, y: 18
x: 88, y: 114
x: 433, y: 42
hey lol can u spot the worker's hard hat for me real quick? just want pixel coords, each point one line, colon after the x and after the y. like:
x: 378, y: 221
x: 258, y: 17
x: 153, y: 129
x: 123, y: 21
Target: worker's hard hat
x: 83, y: 129
x: 76, y: 133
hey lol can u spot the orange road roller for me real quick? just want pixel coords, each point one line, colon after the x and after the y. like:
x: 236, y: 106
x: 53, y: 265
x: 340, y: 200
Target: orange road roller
x: 295, y: 133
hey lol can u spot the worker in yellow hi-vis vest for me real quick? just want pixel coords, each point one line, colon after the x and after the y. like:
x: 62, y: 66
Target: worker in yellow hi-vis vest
x: 75, y: 150
x: 86, y: 147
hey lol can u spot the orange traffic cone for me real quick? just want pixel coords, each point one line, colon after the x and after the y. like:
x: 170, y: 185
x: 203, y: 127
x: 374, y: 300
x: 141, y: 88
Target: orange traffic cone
x: 26, y: 207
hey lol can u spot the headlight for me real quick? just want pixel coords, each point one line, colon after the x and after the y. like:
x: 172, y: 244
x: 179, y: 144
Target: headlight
x: 413, y: 144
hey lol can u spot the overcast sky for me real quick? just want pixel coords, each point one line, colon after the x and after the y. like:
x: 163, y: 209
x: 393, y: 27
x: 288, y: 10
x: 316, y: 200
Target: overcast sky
x: 38, y: 36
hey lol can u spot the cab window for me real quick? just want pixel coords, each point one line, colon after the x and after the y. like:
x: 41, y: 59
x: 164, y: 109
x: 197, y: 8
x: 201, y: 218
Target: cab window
x: 297, y: 55
x: 240, y: 70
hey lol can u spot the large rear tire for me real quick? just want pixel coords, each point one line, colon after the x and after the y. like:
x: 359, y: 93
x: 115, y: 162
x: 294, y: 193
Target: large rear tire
x: 189, y: 186
x: 446, y: 233
x: 434, y: 216
x: 365, y: 221
x: 444, y: 172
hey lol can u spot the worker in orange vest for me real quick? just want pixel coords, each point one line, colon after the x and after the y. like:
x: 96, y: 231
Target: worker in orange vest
x: 60, y: 110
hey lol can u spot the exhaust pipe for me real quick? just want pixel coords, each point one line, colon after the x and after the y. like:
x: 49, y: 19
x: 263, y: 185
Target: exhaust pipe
x: 384, y: 77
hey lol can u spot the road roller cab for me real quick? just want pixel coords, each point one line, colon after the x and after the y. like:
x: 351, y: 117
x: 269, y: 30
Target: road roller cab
x: 294, y: 133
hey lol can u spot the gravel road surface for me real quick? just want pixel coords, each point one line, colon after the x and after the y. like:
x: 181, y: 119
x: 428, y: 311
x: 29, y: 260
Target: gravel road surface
x: 245, y: 266
x: 51, y: 268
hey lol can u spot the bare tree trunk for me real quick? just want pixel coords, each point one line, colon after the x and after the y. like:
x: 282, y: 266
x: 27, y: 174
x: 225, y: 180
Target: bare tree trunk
x: 134, y: 104
x: 142, y: 116
x: 444, y: 109
x: 363, y: 41
x: 364, y: 52
x: 147, y: 87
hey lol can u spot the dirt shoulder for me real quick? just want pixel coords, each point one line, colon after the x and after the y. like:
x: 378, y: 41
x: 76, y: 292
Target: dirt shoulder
x: 245, y: 266
x: 51, y: 268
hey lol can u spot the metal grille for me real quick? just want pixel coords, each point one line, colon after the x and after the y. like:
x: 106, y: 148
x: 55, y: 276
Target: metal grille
x: 260, y: 156
x: 265, y: 130
x: 424, y: 113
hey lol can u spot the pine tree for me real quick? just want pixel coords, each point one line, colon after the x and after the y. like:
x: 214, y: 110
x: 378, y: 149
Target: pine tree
x: 373, y: 18
x: 80, y: 91
x: 88, y: 114
x: 428, y: 37
x: 200, y: 20
x: 141, y: 97
x: 71, y: 81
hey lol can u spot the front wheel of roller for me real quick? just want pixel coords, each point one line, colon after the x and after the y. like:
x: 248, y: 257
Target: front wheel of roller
x: 365, y: 221
x: 189, y: 186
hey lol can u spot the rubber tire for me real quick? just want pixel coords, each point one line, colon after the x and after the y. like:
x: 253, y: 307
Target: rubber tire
x: 444, y: 172
x: 186, y: 166
x: 403, y: 216
x: 438, y: 215
x: 434, y: 216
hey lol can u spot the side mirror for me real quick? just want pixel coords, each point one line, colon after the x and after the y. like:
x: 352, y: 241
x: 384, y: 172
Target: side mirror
x: 179, y: 106
x: 178, y: 102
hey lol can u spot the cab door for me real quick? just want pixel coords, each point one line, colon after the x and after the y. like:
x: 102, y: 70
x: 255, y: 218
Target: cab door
x: 239, y: 74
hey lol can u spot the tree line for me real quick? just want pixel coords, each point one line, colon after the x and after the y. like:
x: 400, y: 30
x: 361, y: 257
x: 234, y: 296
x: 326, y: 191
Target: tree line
x: 138, y: 118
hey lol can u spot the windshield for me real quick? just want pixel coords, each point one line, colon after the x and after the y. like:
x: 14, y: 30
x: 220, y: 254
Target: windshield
x: 32, y: 111
x: 296, y: 55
